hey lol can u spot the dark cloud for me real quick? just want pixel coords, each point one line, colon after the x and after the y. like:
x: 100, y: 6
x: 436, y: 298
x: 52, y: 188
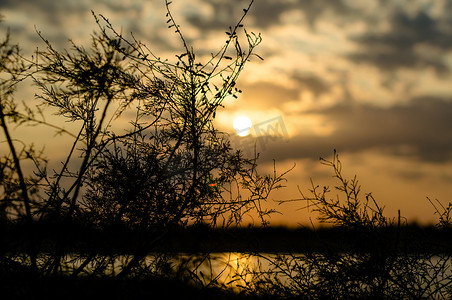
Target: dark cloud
x: 311, y: 82
x: 226, y: 13
x: 7, y: 3
x: 396, y: 47
x: 48, y: 16
x: 59, y: 21
x: 55, y: 10
x: 421, y: 130
x: 268, y: 13
x: 314, y: 10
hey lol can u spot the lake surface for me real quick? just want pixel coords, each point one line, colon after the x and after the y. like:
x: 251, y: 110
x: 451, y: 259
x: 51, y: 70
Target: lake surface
x: 233, y: 270
x: 230, y: 269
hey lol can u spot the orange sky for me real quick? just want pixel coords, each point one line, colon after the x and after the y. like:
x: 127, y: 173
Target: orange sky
x: 371, y: 79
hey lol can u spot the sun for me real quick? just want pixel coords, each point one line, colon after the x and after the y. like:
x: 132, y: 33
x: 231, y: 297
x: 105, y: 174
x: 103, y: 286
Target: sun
x: 242, y: 125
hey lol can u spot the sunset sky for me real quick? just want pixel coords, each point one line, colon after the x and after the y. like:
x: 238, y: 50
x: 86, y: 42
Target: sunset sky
x: 371, y: 79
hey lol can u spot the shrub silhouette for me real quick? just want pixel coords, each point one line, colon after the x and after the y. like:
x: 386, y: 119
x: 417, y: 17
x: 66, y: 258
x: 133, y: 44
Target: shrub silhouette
x: 382, y: 258
x: 152, y: 178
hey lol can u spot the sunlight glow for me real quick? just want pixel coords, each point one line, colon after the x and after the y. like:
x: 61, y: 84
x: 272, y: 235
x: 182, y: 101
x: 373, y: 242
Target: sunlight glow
x: 242, y: 125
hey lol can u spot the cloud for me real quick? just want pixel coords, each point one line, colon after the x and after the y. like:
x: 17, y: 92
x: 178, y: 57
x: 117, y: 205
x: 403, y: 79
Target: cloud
x: 272, y: 94
x: 407, y: 43
x: 311, y: 82
x: 62, y: 20
x: 393, y: 37
x: 6, y: 3
x: 421, y: 131
x: 267, y: 95
x: 268, y: 13
x: 55, y: 19
x: 220, y: 16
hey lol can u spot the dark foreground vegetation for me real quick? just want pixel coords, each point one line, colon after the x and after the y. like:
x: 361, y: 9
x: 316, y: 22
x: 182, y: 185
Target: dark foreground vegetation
x: 424, y: 252
x: 20, y: 285
x: 143, y: 211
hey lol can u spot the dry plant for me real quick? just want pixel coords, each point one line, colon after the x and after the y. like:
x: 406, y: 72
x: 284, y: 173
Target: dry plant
x: 383, y: 258
x: 170, y: 169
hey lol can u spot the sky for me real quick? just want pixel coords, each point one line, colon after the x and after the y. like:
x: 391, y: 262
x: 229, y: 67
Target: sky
x: 371, y: 79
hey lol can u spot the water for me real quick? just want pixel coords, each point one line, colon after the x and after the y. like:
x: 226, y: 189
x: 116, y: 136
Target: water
x: 234, y: 270
x: 428, y: 274
x: 227, y: 269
